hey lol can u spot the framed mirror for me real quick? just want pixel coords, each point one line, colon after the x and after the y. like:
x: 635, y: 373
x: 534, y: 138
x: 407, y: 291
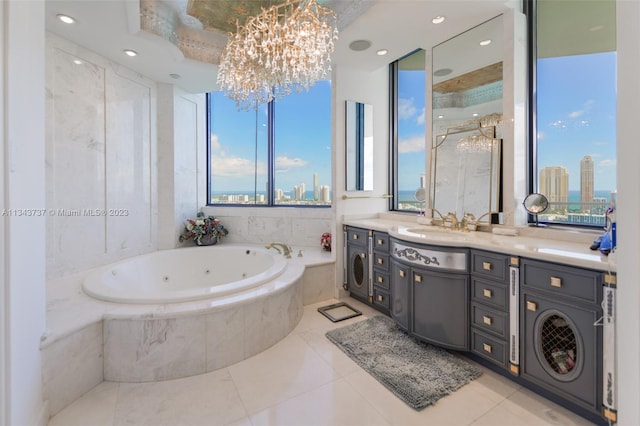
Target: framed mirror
x: 466, y: 162
x: 359, y: 146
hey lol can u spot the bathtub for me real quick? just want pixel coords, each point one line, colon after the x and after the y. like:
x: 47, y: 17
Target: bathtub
x: 185, y: 274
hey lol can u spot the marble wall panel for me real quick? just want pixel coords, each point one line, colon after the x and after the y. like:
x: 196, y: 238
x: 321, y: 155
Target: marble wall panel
x: 72, y: 366
x: 319, y: 283
x: 225, y: 338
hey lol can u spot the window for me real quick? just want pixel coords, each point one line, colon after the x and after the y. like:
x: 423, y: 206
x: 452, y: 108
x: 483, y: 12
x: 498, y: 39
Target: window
x: 279, y: 154
x: 408, y: 91
x: 573, y: 154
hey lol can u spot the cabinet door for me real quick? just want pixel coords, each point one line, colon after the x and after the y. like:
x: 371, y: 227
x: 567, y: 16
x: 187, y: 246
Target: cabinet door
x: 400, y: 300
x: 358, y: 271
x: 440, y: 308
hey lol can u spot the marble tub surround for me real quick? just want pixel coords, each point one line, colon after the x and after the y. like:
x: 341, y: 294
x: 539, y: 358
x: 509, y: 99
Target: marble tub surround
x: 566, y: 247
x: 136, y: 343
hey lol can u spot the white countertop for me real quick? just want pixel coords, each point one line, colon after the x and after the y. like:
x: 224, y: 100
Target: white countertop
x: 569, y: 251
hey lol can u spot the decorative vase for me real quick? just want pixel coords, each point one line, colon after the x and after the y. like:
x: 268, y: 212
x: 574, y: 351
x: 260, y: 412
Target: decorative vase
x: 207, y: 240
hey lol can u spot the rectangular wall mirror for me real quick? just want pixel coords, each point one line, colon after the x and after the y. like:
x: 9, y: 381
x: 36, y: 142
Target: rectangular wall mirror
x: 359, y: 146
x: 467, y: 124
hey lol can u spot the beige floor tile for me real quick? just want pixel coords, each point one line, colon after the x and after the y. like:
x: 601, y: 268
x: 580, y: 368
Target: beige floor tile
x: 95, y: 408
x: 335, y: 404
x: 287, y: 369
x: 493, y: 385
x: 329, y: 352
x: 205, y: 399
x: 538, y: 410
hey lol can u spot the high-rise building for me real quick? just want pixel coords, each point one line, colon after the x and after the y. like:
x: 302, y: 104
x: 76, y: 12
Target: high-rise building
x: 586, y: 180
x: 325, y: 193
x: 316, y: 188
x: 554, y: 184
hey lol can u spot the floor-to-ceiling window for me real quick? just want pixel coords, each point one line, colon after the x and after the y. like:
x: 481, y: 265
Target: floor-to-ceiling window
x: 276, y: 154
x: 573, y: 108
x: 408, y: 83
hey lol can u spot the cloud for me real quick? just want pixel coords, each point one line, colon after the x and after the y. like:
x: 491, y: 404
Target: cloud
x: 413, y: 144
x: 600, y: 143
x: 607, y: 163
x: 406, y: 109
x: 215, y: 142
x: 420, y: 119
x: 586, y: 107
x: 284, y: 163
x: 541, y: 135
x: 230, y: 166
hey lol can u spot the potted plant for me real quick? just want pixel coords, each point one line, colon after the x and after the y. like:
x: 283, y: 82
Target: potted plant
x: 204, y: 231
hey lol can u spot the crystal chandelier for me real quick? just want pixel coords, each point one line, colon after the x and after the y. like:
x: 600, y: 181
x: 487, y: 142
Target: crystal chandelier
x: 285, y: 48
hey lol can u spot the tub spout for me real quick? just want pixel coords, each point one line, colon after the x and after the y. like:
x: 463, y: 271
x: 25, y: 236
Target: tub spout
x: 285, y: 248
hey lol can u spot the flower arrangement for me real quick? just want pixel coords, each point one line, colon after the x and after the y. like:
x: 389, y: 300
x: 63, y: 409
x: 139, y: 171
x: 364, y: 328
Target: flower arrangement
x: 325, y: 241
x: 203, y: 230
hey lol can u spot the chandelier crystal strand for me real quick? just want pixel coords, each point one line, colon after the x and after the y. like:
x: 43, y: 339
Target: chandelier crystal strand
x: 284, y: 49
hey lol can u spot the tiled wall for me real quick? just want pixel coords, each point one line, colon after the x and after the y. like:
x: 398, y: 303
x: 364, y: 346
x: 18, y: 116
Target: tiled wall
x: 100, y: 160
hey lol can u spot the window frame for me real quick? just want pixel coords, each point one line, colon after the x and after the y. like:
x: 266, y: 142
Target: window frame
x: 271, y: 166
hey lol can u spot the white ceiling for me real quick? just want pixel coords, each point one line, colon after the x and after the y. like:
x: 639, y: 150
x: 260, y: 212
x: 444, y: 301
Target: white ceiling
x: 400, y: 26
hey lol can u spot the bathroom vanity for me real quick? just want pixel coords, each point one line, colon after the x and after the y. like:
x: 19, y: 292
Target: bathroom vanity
x: 527, y: 307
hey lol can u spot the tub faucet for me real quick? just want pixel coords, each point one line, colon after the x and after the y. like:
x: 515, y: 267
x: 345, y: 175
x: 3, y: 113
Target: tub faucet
x: 285, y: 248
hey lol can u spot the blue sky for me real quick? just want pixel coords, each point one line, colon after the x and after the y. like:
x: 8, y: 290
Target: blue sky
x: 576, y: 115
x: 411, y: 129
x: 303, y: 142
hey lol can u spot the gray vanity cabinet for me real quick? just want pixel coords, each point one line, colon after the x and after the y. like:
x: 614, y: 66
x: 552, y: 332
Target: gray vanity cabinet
x: 560, y: 329
x: 381, y: 279
x: 490, y: 306
x: 400, y: 293
x: 358, y: 263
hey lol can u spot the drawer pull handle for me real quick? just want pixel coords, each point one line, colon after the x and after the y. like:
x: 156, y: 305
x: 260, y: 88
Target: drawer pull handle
x: 380, y: 298
x: 556, y: 282
x: 380, y: 261
x: 487, y: 320
x: 355, y: 236
x: 532, y: 306
x: 417, y: 278
x: 487, y: 266
x: 380, y: 279
x: 487, y: 348
x: 402, y: 274
x: 380, y: 242
x: 363, y: 255
x: 487, y: 293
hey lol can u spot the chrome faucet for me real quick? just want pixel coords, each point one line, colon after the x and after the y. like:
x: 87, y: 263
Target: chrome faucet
x: 285, y: 248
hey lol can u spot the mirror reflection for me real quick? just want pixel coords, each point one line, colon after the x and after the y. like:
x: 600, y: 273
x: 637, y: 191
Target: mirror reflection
x: 467, y: 125
x: 359, y: 146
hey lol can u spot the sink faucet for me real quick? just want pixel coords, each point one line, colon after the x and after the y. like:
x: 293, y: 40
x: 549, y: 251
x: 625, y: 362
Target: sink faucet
x: 285, y: 248
x: 451, y: 221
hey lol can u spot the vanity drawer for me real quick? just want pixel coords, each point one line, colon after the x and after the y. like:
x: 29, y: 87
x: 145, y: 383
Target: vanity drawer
x: 381, y: 299
x: 490, y: 265
x: 491, y: 348
x: 381, y: 279
x: 381, y: 261
x: 381, y: 242
x: 357, y: 236
x: 490, y: 293
x: 490, y: 320
x: 575, y: 283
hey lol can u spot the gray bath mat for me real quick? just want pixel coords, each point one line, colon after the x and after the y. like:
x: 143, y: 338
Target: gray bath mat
x: 417, y: 373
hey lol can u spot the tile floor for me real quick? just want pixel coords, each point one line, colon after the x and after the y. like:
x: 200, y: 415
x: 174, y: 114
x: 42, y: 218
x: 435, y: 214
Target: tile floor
x: 305, y: 380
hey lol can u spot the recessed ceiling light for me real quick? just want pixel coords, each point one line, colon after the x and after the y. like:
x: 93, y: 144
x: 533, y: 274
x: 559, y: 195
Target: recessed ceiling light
x: 597, y: 28
x: 485, y: 42
x: 441, y: 116
x: 359, y: 45
x: 438, y: 20
x: 77, y: 61
x: 382, y: 52
x: 176, y: 76
x: 65, y: 18
x: 130, y: 52
x: 475, y: 114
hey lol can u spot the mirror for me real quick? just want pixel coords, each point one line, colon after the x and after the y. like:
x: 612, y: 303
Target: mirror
x: 535, y: 204
x: 359, y: 146
x: 467, y: 124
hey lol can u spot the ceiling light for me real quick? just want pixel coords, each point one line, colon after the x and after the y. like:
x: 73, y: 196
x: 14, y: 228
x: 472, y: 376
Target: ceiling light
x: 441, y: 116
x: 475, y: 114
x: 77, y: 61
x: 596, y: 28
x: 284, y: 49
x: 442, y: 72
x: 382, y: 52
x: 66, y: 18
x: 438, y: 20
x: 130, y: 52
x: 175, y: 76
x: 359, y: 45
x: 485, y: 42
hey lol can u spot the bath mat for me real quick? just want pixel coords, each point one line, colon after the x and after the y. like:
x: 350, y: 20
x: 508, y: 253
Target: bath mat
x: 417, y: 373
x: 339, y: 311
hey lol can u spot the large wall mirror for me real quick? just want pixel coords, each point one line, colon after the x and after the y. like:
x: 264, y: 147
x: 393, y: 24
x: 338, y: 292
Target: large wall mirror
x: 359, y: 146
x: 467, y: 124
